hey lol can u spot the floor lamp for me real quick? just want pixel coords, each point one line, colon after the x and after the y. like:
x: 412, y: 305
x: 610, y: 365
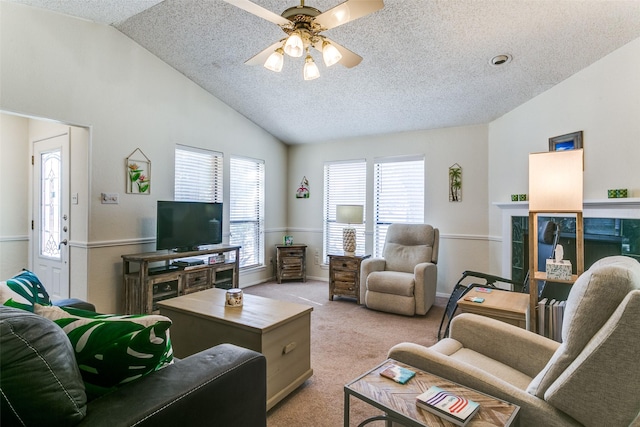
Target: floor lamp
x: 555, y: 186
x: 349, y: 214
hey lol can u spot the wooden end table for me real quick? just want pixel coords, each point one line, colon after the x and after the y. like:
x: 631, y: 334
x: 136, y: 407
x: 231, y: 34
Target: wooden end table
x: 344, y: 276
x: 291, y: 262
x: 509, y: 307
x: 398, y: 401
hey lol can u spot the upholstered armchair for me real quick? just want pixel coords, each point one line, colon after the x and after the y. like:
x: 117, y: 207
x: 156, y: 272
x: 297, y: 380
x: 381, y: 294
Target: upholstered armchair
x: 404, y: 280
x: 591, y: 379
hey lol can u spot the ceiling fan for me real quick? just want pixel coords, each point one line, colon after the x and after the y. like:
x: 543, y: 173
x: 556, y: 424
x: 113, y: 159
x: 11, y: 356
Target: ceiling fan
x: 303, y: 25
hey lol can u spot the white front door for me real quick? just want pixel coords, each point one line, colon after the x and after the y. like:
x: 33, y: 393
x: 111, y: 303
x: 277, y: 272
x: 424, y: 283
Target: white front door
x: 51, y: 222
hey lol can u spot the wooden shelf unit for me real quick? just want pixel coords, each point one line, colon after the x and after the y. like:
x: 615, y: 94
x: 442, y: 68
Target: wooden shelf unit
x: 536, y: 276
x: 145, y: 286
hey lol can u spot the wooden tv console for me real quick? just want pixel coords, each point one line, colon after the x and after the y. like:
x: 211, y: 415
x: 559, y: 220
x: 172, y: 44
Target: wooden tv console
x: 147, y: 284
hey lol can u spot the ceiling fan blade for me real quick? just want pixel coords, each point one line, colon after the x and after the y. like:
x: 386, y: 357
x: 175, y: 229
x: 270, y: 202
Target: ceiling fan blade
x: 259, y: 11
x: 349, y: 59
x: 347, y: 12
x: 261, y: 57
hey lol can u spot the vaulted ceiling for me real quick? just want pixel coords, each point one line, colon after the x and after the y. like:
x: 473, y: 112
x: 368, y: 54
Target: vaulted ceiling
x: 426, y: 63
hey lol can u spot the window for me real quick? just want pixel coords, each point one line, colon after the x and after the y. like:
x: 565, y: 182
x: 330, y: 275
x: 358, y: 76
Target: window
x: 198, y: 175
x: 246, y: 221
x: 398, y: 195
x: 344, y: 183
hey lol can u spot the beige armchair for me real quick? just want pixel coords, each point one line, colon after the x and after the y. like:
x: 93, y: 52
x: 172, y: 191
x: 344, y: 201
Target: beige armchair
x: 591, y: 379
x: 404, y: 280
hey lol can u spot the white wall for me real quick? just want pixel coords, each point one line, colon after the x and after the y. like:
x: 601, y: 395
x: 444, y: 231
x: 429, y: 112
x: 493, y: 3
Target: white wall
x: 14, y: 200
x: 463, y: 225
x: 78, y: 72
x: 603, y: 101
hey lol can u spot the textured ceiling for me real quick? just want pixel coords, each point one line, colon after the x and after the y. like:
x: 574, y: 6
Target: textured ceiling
x: 426, y: 63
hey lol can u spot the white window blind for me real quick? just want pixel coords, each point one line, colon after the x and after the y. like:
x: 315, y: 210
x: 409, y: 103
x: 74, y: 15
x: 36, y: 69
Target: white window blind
x: 398, y: 195
x: 344, y: 184
x: 198, y: 175
x: 246, y: 221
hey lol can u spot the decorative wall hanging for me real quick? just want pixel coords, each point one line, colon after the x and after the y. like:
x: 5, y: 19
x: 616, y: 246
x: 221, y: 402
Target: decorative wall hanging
x: 138, y: 169
x: 455, y: 183
x: 570, y: 141
x: 303, y: 191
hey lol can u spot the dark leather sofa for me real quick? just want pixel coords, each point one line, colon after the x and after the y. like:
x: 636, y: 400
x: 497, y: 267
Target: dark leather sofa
x: 223, y: 386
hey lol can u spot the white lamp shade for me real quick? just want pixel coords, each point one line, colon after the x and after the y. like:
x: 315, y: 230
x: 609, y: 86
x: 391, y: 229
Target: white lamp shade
x: 275, y: 61
x: 349, y: 214
x: 556, y: 181
x: 330, y: 54
x: 294, y: 46
x: 310, y: 71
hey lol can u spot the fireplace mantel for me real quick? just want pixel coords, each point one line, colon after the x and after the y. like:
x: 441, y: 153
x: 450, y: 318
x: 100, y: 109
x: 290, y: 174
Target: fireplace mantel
x: 626, y: 208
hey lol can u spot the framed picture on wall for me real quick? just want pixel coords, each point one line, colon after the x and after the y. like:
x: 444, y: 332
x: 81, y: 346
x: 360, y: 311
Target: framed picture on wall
x: 570, y: 141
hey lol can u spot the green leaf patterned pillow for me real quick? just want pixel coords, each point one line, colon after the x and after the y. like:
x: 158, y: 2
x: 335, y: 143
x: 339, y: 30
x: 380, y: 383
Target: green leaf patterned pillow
x: 112, y: 350
x: 23, y: 291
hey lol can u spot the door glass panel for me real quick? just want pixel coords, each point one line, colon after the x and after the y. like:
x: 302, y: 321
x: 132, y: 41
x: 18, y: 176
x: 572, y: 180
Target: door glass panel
x: 50, y: 207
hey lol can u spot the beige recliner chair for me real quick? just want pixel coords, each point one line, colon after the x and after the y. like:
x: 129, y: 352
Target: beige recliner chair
x: 404, y: 280
x: 591, y: 379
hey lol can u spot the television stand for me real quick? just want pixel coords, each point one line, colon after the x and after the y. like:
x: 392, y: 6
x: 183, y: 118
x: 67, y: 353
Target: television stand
x: 162, y: 269
x: 144, y: 286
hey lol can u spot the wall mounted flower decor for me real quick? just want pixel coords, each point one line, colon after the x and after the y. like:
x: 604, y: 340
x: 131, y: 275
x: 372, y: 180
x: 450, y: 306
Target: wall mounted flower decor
x: 138, y: 170
x: 303, y: 190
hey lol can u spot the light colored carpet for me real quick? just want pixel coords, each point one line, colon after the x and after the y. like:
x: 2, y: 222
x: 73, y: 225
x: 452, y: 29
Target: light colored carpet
x: 346, y: 341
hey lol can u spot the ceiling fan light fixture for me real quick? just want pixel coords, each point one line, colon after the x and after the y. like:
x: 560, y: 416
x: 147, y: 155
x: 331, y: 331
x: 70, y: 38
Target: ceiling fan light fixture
x: 275, y: 61
x: 311, y: 70
x: 294, y: 46
x: 330, y: 54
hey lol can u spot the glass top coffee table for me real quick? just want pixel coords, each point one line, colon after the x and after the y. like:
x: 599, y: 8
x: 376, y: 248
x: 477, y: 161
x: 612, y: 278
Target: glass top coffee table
x: 398, y: 401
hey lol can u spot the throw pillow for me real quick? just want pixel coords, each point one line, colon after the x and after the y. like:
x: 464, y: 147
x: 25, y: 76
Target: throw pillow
x: 112, y: 350
x: 40, y: 381
x: 23, y: 291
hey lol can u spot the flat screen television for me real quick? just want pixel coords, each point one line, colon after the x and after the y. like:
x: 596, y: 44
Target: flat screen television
x: 184, y: 226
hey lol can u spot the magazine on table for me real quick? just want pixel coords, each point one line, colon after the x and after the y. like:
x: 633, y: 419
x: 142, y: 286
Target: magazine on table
x: 398, y: 373
x: 447, y: 405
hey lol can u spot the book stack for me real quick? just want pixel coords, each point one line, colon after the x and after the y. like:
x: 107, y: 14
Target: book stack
x: 550, y: 316
x: 447, y: 405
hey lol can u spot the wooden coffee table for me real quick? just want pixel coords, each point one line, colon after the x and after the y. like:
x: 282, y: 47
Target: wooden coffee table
x: 398, y: 401
x: 280, y: 330
x: 509, y: 307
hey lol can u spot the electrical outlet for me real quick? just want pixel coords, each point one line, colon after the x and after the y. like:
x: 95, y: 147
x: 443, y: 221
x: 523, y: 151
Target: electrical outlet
x: 110, y: 198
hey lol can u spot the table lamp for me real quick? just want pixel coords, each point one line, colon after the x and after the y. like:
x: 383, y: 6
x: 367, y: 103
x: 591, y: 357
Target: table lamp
x: 349, y: 214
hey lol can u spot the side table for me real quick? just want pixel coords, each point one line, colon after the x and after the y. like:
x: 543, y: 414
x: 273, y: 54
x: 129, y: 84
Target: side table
x: 509, y: 307
x: 397, y: 401
x: 344, y: 276
x: 291, y: 262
